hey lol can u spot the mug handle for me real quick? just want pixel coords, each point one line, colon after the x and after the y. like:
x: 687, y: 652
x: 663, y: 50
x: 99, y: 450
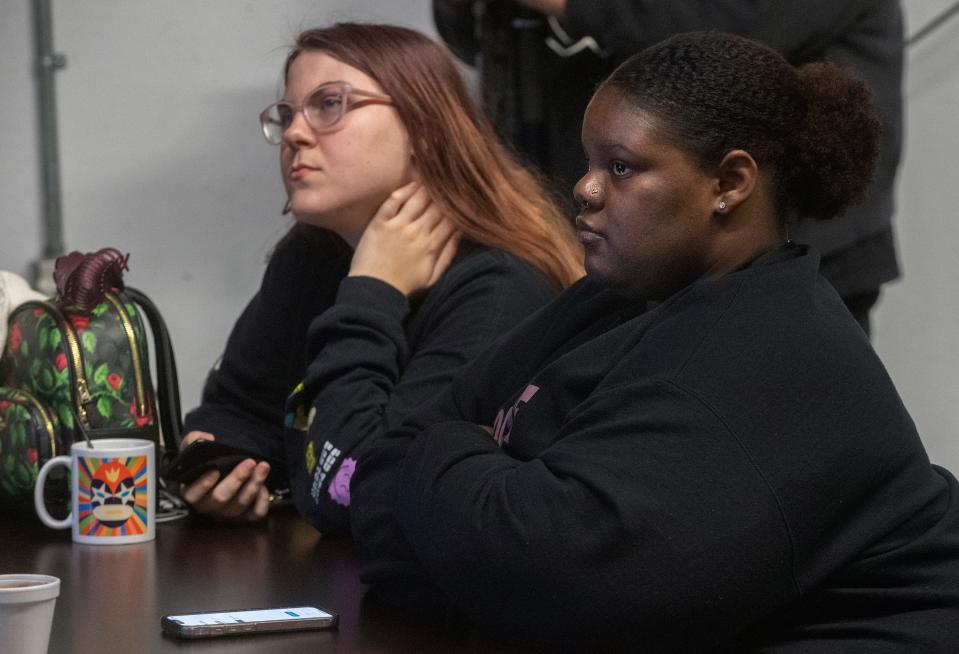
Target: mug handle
x: 45, y: 517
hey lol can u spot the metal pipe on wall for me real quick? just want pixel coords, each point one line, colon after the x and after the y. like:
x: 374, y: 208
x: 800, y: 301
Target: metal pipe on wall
x: 48, y: 62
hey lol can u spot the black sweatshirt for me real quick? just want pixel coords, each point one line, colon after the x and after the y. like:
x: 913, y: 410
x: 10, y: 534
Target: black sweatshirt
x: 731, y: 469
x: 265, y: 357
x: 372, y: 356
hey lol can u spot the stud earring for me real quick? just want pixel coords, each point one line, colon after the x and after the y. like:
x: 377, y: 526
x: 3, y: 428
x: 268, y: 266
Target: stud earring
x: 722, y: 205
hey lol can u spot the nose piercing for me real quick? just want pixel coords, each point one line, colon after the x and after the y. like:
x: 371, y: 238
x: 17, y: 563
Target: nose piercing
x: 592, y: 190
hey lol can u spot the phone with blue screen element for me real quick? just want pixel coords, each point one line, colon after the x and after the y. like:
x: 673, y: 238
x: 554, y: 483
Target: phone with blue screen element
x: 247, y: 622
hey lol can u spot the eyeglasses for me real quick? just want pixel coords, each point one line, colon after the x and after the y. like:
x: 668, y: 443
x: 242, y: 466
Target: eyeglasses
x: 323, y: 108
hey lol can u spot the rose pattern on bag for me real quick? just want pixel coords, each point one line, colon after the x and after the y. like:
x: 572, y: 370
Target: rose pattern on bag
x: 14, y: 337
x: 24, y: 444
x: 38, y: 359
x: 138, y: 420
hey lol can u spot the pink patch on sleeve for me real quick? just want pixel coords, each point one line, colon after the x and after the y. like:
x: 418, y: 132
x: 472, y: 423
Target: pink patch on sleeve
x: 340, y: 484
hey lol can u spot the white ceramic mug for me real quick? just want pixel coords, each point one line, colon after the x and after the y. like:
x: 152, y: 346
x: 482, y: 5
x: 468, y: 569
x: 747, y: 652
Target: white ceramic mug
x: 26, y: 612
x: 112, y: 491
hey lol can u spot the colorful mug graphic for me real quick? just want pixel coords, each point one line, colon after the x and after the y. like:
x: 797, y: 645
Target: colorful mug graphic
x: 113, y: 491
x: 112, y: 496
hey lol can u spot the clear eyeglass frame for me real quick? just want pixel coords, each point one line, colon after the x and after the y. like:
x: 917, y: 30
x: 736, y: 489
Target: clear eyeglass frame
x: 323, y: 108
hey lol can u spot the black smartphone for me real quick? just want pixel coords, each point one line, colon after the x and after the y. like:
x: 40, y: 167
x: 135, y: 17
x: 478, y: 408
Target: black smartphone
x: 247, y: 621
x: 200, y: 456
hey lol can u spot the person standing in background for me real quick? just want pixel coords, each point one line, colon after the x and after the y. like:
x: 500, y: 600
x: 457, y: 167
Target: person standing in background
x: 539, y: 62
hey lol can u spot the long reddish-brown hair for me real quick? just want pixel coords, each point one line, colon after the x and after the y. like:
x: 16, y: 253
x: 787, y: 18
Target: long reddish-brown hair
x: 492, y: 199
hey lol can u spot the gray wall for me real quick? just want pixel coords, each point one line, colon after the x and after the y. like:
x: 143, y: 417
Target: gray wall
x: 162, y: 157
x: 917, y: 326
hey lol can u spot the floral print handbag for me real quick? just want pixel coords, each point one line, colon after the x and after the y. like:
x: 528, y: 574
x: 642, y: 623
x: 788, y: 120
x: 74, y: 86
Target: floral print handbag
x: 30, y: 434
x: 77, y: 366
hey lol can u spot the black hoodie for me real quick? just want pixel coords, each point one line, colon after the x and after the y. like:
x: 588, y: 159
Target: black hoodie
x: 731, y: 469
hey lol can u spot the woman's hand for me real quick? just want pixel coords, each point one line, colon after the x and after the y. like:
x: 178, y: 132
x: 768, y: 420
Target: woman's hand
x: 240, y: 496
x: 409, y: 242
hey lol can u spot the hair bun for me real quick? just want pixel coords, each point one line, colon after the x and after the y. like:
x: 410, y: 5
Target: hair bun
x: 837, y: 145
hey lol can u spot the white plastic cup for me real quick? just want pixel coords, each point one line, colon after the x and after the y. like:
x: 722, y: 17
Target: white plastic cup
x: 26, y: 612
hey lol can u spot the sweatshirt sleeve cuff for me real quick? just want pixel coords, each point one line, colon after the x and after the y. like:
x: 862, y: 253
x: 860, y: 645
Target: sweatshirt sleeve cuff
x: 369, y: 292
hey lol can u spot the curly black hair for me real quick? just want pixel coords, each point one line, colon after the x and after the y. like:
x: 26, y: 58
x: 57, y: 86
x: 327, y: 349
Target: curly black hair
x: 814, y: 128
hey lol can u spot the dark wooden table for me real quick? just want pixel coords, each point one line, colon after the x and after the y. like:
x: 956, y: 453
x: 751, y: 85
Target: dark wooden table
x: 112, y: 597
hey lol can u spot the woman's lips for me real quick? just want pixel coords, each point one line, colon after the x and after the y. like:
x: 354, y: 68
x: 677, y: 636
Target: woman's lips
x: 587, y: 237
x: 587, y: 234
x: 300, y: 171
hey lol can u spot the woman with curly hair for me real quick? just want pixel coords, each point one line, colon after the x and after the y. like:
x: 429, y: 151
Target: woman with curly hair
x: 695, y: 448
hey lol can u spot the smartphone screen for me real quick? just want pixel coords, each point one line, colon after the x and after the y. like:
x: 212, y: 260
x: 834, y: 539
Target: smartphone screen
x: 224, y: 623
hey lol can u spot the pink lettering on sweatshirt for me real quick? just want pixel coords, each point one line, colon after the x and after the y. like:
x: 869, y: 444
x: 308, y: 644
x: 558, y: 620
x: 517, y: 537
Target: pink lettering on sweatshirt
x: 503, y: 424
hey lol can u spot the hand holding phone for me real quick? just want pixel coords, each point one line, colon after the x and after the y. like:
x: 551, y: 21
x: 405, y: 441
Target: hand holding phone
x: 201, y: 456
x: 248, y: 621
x: 223, y: 481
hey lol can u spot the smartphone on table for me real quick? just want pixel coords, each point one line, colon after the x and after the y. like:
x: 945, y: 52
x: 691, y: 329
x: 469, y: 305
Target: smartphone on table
x: 247, y: 621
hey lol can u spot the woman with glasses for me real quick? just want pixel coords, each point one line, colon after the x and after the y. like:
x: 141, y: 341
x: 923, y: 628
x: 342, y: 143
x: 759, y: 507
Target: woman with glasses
x: 419, y: 240
x: 695, y: 448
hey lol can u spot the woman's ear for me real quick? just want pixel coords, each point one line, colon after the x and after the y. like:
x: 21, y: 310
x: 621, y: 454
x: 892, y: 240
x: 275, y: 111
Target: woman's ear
x: 737, y: 176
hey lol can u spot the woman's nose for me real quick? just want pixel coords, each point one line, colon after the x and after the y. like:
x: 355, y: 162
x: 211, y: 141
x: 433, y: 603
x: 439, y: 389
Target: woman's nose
x: 588, y: 193
x: 299, y: 133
